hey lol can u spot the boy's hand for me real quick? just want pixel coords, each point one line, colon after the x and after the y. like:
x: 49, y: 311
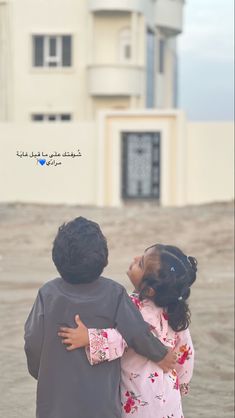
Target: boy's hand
x: 75, y: 337
x: 168, y: 362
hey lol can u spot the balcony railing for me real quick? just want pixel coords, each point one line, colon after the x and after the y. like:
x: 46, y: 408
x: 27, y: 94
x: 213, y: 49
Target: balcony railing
x: 117, y: 5
x: 168, y: 13
x: 169, y: 16
x: 115, y: 80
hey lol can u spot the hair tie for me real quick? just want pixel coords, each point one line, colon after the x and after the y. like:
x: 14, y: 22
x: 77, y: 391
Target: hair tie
x: 189, y: 261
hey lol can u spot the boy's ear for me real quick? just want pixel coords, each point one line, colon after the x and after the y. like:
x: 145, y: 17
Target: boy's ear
x: 150, y: 292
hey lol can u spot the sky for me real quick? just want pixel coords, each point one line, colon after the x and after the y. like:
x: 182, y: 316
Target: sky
x: 206, y: 60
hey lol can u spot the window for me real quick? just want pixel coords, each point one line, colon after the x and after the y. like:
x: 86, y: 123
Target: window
x: 65, y: 117
x: 125, y: 45
x: 51, y: 117
x: 161, y: 68
x: 52, y: 51
x: 37, y: 118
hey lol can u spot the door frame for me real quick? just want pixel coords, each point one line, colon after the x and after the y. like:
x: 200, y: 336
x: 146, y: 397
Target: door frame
x: 172, y: 126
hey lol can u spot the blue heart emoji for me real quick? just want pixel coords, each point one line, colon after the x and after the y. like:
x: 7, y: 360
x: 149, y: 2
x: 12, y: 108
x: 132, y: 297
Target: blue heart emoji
x: 42, y: 162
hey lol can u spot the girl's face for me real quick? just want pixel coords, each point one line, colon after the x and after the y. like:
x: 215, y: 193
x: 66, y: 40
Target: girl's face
x: 138, y: 268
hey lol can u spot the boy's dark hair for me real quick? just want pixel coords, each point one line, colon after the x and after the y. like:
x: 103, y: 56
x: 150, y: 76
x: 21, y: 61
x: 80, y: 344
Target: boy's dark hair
x: 171, y: 277
x: 80, y: 251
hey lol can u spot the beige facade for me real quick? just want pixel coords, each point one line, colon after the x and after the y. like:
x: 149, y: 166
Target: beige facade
x: 196, y: 160
x: 120, y: 52
x: 23, y: 179
x: 210, y: 162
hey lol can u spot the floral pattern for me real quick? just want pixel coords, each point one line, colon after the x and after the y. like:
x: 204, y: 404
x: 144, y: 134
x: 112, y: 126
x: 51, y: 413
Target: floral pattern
x: 184, y: 354
x: 98, y: 351
x: 147, y: 392
x: 153, y: 376
x: 133, y: 402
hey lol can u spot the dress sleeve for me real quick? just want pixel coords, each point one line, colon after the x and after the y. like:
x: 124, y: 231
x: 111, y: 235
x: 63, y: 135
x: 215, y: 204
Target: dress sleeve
x: 131, y: 330
x: 34, y: 333
x: 105, y: 345
x: 184, y: 367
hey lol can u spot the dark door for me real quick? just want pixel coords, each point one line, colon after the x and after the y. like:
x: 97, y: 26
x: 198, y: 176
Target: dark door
x: 141, y: 165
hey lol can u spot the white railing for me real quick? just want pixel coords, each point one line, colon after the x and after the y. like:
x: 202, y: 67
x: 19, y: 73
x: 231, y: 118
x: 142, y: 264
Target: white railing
x: 111, y: 80
x: 117, y: 5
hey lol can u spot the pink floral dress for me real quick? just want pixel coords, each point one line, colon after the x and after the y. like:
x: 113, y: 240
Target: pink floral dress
x: 146, y: 392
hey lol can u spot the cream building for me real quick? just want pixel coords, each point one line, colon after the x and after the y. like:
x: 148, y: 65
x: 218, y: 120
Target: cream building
x: 67, y: 59
x: 101, y: 76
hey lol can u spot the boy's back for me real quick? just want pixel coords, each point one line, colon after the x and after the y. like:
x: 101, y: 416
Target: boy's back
x: 68, y: 387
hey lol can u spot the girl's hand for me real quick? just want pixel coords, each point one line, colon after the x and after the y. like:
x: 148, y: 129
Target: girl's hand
x: 75, y: 337
x: 169, y: 361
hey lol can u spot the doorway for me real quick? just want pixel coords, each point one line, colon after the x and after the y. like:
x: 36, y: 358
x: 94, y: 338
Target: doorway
x: 141, y: 165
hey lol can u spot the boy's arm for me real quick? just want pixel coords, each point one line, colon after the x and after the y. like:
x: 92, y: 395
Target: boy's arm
x: 34, y: 330
x: 136, y: 331
x: 185, y: 360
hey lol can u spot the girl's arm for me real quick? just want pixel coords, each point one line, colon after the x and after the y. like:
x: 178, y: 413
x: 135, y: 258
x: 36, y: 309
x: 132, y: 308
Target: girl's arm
x: 108, y: 344
x: 185, y: 361
x: 104, y: 345
x: 100, y: 344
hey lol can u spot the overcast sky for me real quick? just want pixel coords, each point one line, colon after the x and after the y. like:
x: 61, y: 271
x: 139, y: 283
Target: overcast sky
x: 206, y: 60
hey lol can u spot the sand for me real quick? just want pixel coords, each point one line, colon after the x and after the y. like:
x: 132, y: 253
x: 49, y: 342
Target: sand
x: 206, y: 232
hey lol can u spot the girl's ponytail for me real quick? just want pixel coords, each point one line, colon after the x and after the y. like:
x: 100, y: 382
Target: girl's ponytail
x: 179, y: 314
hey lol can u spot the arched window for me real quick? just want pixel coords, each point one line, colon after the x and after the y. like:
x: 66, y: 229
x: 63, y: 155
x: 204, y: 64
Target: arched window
x: 125, y: 45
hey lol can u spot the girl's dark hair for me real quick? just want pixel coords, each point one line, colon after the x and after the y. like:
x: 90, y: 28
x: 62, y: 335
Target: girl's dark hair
x: 170, y: 274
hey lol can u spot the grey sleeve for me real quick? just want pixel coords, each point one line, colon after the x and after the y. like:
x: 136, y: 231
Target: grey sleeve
x: 34, y: 331
x: 136, y: 332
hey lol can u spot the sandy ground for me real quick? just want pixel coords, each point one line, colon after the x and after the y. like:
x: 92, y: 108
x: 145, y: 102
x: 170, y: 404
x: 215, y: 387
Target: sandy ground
x: 26, y: 234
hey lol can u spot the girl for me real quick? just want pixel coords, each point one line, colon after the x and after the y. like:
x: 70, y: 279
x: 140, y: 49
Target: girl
x: 162, y: 278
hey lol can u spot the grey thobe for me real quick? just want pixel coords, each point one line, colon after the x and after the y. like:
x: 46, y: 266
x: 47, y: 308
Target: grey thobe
x: 68, y: 386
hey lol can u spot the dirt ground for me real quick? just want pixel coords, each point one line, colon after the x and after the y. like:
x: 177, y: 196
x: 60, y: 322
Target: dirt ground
x: 206, y: 232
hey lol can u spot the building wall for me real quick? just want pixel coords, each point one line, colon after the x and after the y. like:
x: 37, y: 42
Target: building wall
x: 106, y: 30
x: 22, y: 179
x: 6, y: 79
x: 48, y: 89
x: 196, y: 160
x: 210, y: 162
x: 170, y: 80
x: 101, y: 103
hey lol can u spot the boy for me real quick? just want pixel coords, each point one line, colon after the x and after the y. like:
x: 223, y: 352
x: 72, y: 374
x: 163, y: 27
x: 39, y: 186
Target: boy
x: 68, y: 386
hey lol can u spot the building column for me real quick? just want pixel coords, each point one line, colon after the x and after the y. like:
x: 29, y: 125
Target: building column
x: 134, y: 37
x: 5, y: 67
x: 169, y: 72
x: 134, y: 102
x: 90, y: 38
x: 90, y: 62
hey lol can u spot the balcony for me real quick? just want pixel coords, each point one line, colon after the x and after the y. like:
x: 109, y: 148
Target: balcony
x: 115, y: 80
x: 169, y: 16
x: 117, y: 6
